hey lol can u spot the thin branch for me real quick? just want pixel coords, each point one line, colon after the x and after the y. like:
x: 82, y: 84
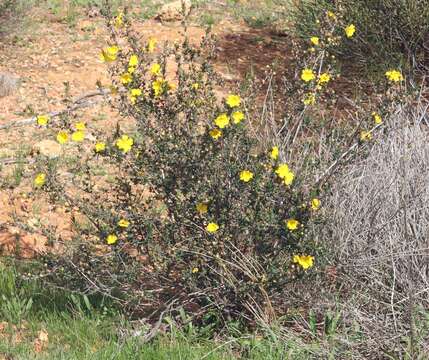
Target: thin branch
x: 11, y: 161
x: 330, y: 170
x: 79, y: 103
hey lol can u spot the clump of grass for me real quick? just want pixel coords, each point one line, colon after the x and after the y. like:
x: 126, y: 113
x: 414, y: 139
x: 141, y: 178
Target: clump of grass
x: 378, y: 228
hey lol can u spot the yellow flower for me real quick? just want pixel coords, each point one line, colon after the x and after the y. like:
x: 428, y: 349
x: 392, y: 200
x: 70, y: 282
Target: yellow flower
x: 134, y: 61
x: 124, y: 143
x: 285, y: 174
x: 233, y: 101
x: 282, y: 170
x: 123, y: 223
x: 195, y: 270
x: 195, y: 86
x: 100, y: 146
x: 365, y: 136
x: 62, y: 137
x: 324, y: 78
x: 151, y: 44
x: 135, y: 92
x: 331, y: 15
x: 310, y: 99
x: 212, y: 227
x: 377, y: 118
x: 42, y: 120
x: 394, y: 76
x: 112, y: 239
x: 40, y: 180
x: 292, y: 224
x: 126, y: 78
x: 158, y: 87
x: 222, y: 121
x: 155, y: 69
x: 80, y: 126
x: 288, y: 179
x: 202, y: 208
x: 246, y: 175
x: 350, y: 30
x: 315, y: 204
x: 314, y: 40
x: 78, y: 136
x: 113, y: 90
x: 274, y: 153
x: 109, y: 54
x: 305, y: 261
x: 119, y: 20
x: 215, y: 133
x: 237, y: 117
x: 307, y: 75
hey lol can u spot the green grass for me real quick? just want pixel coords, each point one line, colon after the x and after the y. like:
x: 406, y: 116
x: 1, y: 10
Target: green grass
x: 256, y: 14
x: 149, y: 8
x: 89, y: 327
x: 81, y: 327
x: 95, y: 337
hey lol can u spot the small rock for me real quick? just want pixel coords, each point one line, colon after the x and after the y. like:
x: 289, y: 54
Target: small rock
x: 173, y: 10
x: 90, y: 137
x: 8, y: 84
x: 49, y: 148
x: 230, y: 77
x: 93, y: 12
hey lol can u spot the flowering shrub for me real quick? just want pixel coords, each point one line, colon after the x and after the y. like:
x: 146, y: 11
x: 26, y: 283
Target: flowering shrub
x: 198, y: 213
x: 397, y: 28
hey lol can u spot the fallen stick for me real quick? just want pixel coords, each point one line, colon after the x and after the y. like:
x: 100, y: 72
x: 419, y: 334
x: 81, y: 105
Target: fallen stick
x: 11, y: 161
x: 78, y: 103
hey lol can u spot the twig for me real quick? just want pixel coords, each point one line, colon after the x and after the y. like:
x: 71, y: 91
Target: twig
x: 79, y: 103
x: 328, y: 172
x: 10, y: 161
x: 155, y: 329
x: 93, y: 283
x: 423, y: 116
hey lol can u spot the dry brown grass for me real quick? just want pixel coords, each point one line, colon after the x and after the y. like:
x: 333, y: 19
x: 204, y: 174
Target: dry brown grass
x: 379, y: 230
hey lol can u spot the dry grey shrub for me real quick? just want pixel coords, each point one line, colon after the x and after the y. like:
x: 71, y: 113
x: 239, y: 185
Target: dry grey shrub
x: 8, y: 84
x: 379, y: 231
